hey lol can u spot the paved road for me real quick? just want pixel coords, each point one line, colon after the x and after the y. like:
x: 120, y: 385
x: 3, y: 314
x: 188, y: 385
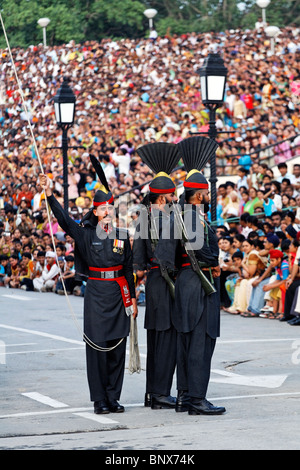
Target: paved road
x: 44, y: 401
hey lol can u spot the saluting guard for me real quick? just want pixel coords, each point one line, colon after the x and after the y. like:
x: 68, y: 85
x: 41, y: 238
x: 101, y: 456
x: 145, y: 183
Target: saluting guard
x: 161, y: 158
x: 103, y: 255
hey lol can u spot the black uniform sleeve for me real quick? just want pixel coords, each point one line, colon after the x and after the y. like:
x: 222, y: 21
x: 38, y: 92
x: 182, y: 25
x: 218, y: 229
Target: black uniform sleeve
x: 167, y: 247
x: 209, y: 253
x: 139, y: 250
x: 128, y: 268
x: 64, y: 220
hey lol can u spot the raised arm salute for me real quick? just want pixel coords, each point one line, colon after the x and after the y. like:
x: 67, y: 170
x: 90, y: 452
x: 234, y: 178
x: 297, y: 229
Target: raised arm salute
x: 109, y: 296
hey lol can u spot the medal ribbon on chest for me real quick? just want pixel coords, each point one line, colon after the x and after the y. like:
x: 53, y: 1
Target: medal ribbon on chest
x: 118, y: 246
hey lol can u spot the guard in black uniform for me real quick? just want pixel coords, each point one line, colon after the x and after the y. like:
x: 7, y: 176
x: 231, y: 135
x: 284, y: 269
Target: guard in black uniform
x: 103, y: 253
x: 161, y: 158
x: 197, y: 300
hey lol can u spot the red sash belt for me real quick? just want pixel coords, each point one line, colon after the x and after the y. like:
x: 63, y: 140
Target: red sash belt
x: 111, y: 274
x: 153, y: 266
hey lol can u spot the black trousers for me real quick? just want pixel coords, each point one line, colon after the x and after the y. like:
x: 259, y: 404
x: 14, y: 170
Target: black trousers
x: 195, y: 351
x: 289, y: 297
x: 105, y: 370
x: 161, y: 361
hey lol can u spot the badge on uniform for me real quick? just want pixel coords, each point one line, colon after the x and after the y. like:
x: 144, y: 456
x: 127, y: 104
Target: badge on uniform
x: 118, y: 246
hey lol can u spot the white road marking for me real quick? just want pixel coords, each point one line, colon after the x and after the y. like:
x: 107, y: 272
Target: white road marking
x: 98, y: 418
x: 41, y: 413
x: 265, y: 381
x: 17, y: 297
x: 44, y: 399
x: 68, y: 340
x: 270, y: 340
x: 79, y: 410
x: 41, y: 351
x: 40, y: 333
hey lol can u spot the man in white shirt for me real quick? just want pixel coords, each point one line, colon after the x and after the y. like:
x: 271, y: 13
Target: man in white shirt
x: 108, y: 168
x: 123, y: 161
x: 283, y: 169
x: 50, y: 272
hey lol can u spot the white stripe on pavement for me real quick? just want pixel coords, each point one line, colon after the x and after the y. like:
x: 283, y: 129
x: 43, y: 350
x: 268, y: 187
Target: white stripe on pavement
x: 17, y: 297
x: 127, y: 405
x: 99, y: 418
x: 44, y: 399
x: 40, y: 333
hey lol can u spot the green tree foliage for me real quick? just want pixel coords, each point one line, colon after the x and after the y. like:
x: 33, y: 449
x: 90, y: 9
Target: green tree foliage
x: 84, y: 20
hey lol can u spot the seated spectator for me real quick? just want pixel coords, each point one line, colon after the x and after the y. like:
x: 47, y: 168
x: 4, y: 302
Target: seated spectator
x: 292, y: 284
x: 290, y: 232
x: 276, y: 218
x: 3, y: 268
x: 68, y: 275
x: 236, y: 273
x: 28, y: 274
x: 277, y: 288
x: 238, y: 241
x: 268, y: 204
x: 253, y: 266
x: 46, y: 281
x: 13, y: 272
x: 226, y: 265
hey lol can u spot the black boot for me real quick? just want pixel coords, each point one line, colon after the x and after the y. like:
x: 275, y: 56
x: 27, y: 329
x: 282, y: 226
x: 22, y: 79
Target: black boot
x: 200, y: 406
x: 182, y: 402
x: 162, y: 402
x: 148, y: 400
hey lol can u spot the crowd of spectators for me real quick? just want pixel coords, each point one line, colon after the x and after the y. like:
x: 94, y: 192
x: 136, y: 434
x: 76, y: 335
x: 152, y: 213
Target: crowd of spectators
x: 259, y: 244
x: 128, y: 93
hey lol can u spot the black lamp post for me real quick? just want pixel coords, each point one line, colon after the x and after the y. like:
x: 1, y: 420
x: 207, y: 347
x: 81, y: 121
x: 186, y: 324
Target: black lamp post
x: 213, y: 75
x: 64, y: 106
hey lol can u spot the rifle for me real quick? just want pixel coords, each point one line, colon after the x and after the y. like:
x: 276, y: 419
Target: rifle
x: 163, y: 268
x: 206, y: 284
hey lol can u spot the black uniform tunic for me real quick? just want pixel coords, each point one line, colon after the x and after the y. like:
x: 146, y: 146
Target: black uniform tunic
x: 105, y: 319
x: 161, y: 334
x: 196, y: 315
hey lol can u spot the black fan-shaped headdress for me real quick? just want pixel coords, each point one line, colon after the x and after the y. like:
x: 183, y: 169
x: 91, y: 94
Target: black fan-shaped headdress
x: 102, y: 195
x: 196, y: 152
x: 161, y: 158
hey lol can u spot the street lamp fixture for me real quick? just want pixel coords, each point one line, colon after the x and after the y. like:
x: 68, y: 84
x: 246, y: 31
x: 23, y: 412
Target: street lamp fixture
x: 263, y: 4
x: 43, y: 23
x: 64, y: 107
x: 272, y: 32
x: 150, y: 14
x: 213, y: 76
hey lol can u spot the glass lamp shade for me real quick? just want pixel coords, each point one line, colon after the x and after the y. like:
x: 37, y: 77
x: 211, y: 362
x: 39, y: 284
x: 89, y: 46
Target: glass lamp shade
x: 43, y: 22
x: 272, y: 31
x: 263, y: 3
x: 64, y: 105
x: 150, y: 13
x: 213, y: 75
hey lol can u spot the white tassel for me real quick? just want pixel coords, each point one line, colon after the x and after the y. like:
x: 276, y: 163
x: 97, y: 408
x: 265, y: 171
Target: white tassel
x: 134, y: 353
